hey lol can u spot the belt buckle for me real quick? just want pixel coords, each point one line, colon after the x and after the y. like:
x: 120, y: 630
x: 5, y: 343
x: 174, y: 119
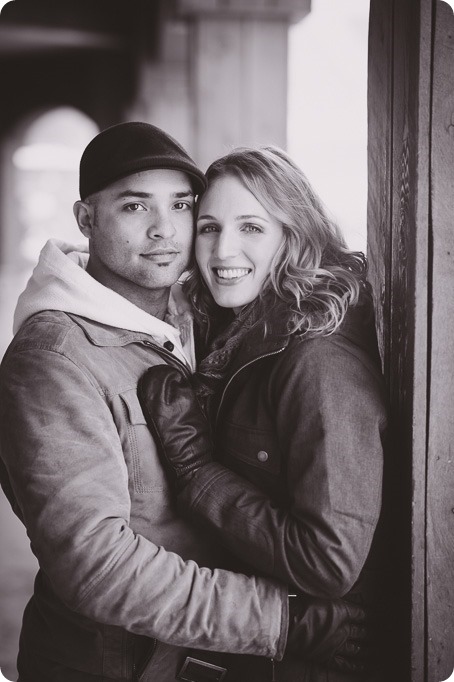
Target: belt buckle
x: 194, y: 670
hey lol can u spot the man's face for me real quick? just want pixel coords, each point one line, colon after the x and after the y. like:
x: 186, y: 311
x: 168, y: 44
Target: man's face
x: 141, y: 232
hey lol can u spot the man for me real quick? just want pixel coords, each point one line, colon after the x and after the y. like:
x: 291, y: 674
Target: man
x: 125, y: 586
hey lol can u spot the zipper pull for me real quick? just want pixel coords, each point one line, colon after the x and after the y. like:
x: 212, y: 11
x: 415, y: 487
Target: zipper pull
x: 273, y: 677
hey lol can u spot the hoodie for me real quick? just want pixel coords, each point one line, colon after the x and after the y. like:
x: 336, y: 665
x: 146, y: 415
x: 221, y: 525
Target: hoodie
x: 60, y: 282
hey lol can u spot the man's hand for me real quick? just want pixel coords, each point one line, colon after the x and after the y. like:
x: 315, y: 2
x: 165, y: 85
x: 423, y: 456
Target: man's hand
x: 176, y: 421
x: 330, y: 632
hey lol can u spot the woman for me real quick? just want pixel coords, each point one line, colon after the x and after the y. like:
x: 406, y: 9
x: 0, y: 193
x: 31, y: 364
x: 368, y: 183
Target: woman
x: 290, y: 380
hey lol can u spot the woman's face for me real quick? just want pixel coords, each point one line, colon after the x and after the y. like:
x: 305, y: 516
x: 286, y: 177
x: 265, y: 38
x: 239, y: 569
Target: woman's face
x: 236, y: 240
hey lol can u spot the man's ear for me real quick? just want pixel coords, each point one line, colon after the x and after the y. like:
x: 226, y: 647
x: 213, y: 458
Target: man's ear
x: 84, y: 214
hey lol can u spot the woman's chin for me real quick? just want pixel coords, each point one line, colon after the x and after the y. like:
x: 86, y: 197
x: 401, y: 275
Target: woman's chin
x: 229, y: 301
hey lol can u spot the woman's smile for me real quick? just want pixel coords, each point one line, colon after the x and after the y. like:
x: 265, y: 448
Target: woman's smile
x: 230, y: 275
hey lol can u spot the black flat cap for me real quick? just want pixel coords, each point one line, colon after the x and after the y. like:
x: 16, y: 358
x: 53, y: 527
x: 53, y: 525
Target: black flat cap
x: 129, y: 148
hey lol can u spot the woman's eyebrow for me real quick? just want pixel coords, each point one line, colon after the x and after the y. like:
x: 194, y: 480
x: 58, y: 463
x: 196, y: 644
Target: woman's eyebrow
x: 249, y: 216
x: 207, y: 216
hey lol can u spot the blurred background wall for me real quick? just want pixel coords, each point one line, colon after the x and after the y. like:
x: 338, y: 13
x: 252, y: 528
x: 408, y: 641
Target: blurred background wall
x: 213, y: 73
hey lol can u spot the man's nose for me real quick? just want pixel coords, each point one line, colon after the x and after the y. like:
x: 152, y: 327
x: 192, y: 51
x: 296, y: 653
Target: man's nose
x: 161, y: 225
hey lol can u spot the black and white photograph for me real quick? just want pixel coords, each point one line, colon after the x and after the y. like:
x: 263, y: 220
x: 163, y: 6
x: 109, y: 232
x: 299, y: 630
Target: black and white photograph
x: 226, y: 341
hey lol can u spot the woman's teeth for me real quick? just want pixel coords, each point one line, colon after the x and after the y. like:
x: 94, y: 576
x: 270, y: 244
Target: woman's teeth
x: 231, y: 273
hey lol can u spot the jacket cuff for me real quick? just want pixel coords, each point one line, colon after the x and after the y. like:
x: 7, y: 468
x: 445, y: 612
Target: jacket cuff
x: 282, y: 642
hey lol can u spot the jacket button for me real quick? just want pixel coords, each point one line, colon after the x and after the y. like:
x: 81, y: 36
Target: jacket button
x: 262, y: 456
x: 168, y: 345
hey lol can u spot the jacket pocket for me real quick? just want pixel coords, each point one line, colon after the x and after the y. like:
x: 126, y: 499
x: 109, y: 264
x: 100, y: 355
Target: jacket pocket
x: 255, y: 448
x: 146, y: 473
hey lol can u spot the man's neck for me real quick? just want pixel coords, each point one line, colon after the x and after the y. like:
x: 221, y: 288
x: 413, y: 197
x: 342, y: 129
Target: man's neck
x: 152, y: 301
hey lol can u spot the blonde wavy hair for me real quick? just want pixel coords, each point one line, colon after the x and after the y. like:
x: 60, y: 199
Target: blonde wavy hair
x: 313, y: 271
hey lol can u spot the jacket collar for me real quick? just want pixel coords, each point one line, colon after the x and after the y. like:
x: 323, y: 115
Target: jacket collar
x: 267, y: 337
x: 271, y: 335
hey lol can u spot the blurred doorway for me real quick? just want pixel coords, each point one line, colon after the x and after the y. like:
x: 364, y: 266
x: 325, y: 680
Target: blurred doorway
x: 39, y: 186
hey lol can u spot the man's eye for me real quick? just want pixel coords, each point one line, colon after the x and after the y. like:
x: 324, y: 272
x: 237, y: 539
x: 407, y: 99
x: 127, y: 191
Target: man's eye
x: 182, y: 206
x: 133, y: 208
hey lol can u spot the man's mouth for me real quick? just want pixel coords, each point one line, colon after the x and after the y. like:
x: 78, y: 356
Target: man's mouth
x: 161, y: 256
x: 160, y: 252
x: 231, y: 273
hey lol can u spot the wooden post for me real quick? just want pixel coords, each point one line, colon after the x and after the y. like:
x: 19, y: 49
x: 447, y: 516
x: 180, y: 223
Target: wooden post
x: 400, y: 79
x: 440, y: 461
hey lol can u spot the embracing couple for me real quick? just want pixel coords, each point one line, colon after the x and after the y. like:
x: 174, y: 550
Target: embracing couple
x: 198, y: 465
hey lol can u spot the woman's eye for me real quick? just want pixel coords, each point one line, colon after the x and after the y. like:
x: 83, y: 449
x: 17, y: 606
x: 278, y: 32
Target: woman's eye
x: 206, y: 229
x: 133, y: 208
x: 249, y: 227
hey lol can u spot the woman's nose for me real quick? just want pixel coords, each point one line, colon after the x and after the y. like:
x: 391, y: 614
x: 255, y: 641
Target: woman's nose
x: 226, y: 245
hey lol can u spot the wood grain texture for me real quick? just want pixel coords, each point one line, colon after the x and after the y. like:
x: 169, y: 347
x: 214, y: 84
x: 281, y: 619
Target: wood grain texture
x: 398, y: 224
x: 440, y: 484
x: 410, y: 268
x: 380, y: 88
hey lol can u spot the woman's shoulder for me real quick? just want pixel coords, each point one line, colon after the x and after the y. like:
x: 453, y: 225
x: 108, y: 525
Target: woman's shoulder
x: 354, y: 341
x: 327, y: 369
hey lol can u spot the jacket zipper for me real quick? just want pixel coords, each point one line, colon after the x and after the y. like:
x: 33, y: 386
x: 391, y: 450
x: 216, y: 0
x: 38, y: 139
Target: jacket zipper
x: 137, y: 673
x: 251, y: 362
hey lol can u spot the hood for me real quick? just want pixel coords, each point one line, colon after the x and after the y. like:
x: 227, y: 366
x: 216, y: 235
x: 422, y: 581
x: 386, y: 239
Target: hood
x: 60, y: 282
